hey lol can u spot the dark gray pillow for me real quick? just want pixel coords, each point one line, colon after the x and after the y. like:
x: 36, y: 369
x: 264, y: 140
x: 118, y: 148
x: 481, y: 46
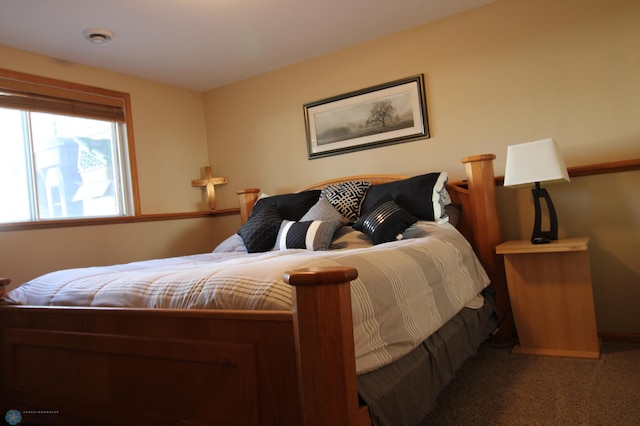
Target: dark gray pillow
x: 291, y: 206
x: 419, y: 195
x: 385, y: 222
x: 259, y: 233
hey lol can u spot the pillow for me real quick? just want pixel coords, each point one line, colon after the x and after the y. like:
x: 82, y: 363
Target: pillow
x: 419, y: 195
x: 323, y: 210
x: 260, y: 231
x: 309, y: 235
x: 348, y: 238
x: 346, y: 197
x: 232, y: 244
x: 445, y: 198
x: 291, y: 206
x: 385, y: 222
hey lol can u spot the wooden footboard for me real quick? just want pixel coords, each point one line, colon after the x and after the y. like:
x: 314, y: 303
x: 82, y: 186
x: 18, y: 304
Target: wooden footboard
x: 196, y: 367
x: 150, y: 367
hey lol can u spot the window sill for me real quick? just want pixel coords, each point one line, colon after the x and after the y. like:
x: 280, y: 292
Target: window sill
x: 68, y: 223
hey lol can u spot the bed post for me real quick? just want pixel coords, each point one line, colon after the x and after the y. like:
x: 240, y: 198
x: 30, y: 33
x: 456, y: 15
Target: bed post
x: 486, y: 235
x: 248, y: 198
x: 323, y: 334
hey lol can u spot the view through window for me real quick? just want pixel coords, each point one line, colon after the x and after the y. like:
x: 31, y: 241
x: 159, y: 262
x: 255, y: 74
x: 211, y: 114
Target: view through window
x: 55, y: 167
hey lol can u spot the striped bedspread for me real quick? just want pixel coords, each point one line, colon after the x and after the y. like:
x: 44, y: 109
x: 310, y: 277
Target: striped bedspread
x: 404, y: 292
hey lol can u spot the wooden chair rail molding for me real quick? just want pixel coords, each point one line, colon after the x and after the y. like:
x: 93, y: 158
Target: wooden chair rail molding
x: 21, y: 226
x: 575, y: 171
x: 602, y: 168
x: 596, y: 169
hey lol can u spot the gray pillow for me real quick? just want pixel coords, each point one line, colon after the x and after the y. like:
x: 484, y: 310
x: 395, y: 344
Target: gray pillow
x: 323, y: 210
x: 232, y: 244
x: 348, y: 238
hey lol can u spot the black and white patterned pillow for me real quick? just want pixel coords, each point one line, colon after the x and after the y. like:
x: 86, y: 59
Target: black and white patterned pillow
x: 309, y: 235
x: 259, y: 233
x: 385, y: 222
x: 346, y: 197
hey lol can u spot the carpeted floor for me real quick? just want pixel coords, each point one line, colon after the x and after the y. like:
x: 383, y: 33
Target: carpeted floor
x: 499, y: 388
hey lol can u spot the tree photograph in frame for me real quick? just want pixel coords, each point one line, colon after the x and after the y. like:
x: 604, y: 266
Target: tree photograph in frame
x: 381, y: 115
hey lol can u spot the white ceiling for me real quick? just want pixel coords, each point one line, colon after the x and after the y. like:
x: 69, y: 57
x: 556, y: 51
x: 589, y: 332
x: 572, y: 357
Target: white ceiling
x: 203, y: 44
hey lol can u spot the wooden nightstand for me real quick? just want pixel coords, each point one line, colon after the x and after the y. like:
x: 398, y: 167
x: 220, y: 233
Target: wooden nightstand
x: 551, y: 297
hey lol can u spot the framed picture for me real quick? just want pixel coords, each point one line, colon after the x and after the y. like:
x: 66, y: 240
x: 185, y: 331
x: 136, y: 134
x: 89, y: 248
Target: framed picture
x: 382, y: 115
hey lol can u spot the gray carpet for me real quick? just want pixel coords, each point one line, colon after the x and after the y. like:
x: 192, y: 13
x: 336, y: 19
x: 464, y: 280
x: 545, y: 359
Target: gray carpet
x: 499, y: 388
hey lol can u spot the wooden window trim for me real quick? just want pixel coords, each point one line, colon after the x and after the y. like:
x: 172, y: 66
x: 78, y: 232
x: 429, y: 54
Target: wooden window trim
x: 53, y: 88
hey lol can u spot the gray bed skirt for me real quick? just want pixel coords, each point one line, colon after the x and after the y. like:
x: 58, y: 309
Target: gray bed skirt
x: 404, y: 392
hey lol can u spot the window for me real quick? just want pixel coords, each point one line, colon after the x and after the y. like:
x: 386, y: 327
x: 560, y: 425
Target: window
x: 65, y: 152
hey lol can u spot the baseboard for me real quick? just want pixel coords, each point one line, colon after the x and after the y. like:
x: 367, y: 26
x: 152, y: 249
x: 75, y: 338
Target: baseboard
x: 620, y: 337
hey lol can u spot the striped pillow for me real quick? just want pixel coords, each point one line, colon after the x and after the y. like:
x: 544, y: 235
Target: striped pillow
x: 308, y: 235
x: 385, y: 222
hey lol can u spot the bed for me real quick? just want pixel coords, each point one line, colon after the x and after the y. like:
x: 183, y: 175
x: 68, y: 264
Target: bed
x: 316, y: 351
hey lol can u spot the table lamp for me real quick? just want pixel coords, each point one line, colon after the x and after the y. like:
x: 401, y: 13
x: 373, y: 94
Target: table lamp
x: 535, y: 162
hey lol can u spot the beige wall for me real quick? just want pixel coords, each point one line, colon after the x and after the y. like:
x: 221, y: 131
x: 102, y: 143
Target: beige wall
x: 509, y: 72
x: 28, y: 254
x: 168, y: 157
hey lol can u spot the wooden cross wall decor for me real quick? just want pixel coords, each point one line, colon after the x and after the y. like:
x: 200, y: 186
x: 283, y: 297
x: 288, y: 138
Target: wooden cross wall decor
x: 210, y: 183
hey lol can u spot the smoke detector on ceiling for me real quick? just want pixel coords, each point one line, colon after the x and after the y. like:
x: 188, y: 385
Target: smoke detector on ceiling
x: 98, y: 36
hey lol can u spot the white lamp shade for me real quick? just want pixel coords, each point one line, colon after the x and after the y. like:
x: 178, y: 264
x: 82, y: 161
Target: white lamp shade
x: 537, y: 161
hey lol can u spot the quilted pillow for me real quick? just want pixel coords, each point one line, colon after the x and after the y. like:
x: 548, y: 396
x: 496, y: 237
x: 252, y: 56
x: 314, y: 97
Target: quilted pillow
x: 259, y: 233
x: 291, y: 206
x: 323, y: 210
x: 419, y: 195
x: 309, y: 235
x: 346, y: 197
x: 385, y: 222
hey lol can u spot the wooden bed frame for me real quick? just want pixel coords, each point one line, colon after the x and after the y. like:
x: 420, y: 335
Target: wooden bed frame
x: 199, y: 367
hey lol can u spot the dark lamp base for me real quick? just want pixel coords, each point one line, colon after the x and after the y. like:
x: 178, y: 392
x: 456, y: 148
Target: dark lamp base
x: 540, y: 240
x: 539, y: 236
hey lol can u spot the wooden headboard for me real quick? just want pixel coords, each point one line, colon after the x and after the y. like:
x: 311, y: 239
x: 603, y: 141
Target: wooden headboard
x: 479, y: 221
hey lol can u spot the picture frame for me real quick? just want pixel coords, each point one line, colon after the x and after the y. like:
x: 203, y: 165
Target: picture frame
x: 381, y: 115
